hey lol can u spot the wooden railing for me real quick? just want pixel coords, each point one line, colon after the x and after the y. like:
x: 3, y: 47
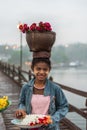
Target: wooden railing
x: 21, y: 76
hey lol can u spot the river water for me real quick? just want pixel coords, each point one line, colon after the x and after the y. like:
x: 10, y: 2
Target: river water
x: 75, y: 78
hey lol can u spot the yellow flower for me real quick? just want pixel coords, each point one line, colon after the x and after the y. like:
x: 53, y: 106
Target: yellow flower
x: 4, y: 102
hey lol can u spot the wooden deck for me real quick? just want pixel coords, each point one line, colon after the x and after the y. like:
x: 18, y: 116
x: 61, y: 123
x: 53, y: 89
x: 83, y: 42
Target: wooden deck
x: 9, y: 88
x: 12, y: 90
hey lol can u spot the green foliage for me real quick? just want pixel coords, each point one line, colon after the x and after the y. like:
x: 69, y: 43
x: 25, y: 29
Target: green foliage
x: 77, y: 52
x: 15, y: 57
x: 59, y: 54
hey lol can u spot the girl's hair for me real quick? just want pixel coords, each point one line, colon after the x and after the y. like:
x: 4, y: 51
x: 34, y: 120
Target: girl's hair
x: 37, y: 60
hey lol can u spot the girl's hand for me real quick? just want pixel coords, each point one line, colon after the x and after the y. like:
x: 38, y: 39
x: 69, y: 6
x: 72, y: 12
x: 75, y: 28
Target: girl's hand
x: 20, y: 114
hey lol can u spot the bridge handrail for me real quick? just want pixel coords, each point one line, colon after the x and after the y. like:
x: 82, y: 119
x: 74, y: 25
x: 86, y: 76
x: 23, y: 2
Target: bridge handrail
x: 17, y: 73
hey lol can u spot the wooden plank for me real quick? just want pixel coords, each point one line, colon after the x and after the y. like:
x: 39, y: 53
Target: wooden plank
x: 69, y: 124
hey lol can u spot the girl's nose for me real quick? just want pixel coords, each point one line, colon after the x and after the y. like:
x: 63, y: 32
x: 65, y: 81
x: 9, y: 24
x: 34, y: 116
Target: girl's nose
x: 41, y: 71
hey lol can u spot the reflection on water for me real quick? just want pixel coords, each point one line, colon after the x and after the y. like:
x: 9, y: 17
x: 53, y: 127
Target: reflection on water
x: 74, y: 77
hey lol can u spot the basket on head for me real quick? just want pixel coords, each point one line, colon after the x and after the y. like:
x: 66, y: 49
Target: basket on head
x: 40, y: 41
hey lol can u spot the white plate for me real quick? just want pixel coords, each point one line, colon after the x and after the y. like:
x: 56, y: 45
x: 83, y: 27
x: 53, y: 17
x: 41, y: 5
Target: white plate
x: 23, y: 123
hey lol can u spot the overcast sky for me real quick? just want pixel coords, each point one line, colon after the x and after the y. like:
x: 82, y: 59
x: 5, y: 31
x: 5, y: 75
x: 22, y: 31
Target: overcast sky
x: 67, y: 17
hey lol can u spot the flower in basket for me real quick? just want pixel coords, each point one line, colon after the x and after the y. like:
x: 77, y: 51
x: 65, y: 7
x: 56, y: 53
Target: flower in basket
x: 4, y: 103
x: 41, y: 27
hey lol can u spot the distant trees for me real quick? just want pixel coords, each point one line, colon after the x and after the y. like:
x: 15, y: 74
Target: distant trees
x: 59, y: 54
x: 15, y: 57
x: 77, y: 52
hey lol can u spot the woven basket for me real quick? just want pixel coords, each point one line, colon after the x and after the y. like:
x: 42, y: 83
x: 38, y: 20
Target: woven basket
x: 40, y: 41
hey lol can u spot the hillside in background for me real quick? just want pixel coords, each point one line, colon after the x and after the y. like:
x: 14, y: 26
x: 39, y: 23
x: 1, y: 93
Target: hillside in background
x: 62, y: 55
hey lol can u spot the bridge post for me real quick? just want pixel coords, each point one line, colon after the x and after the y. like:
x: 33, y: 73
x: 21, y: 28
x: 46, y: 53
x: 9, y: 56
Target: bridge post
x: 29, y: 75
x: 9, y: 69
x: 86, y: 112
x: 13, y: 75
x: 19, y: 74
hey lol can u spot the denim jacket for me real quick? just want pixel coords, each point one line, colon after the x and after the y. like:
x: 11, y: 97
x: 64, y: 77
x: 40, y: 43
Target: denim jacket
x: 58, y: 107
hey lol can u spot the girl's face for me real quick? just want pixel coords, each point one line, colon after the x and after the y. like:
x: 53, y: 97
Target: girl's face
x: 41, y: 71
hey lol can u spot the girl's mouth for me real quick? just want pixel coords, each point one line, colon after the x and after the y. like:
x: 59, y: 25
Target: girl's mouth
x: 41, y: 76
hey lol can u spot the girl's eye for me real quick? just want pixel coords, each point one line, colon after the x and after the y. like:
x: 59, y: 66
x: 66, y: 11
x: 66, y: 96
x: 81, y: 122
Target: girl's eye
x: 44, y: 69
x: 38, y: 69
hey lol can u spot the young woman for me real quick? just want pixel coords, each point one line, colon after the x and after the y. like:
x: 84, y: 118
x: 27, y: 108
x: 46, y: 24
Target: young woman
x: 42, y: 96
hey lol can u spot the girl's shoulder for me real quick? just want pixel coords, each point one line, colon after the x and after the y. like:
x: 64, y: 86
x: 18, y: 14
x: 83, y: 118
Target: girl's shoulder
x: 28, y: 84
x: 54, y: 85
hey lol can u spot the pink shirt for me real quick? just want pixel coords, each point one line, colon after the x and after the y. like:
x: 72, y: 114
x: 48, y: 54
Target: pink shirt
x: 40, y: 104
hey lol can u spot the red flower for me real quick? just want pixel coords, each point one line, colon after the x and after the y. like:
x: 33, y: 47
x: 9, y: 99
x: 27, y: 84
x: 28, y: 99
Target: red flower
x: 47, y: 26
x: 33, y: 27
x: 38, y: 28
x: 25, y: 27
x: 20, y: 27
x: 31, y: 124
x: 40, y: 120
x: 41, y: 27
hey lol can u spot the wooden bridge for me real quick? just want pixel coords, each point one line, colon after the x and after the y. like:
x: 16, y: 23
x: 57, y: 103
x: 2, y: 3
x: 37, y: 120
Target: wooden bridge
x: 11, y: 79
